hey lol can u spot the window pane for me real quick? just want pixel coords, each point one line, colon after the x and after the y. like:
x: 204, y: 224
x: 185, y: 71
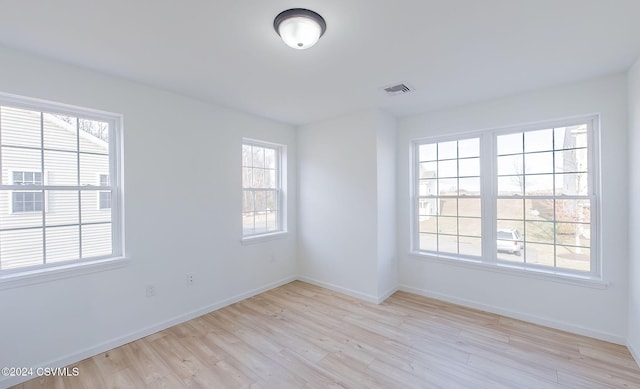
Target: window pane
x: 470, y: 226
x: 62, y: 208
x: 63, y: 243
x: 510, y: 209
x: 510, y: 144
x: 427, y: 187
x: 96, y: 240
x: 448, y: 225
x: 258, y: 157
x: 19, y: 209
x: 576, y: 258
x: 246, y: 156
x: 94, y: 136
x: 270, y: 158
x: 62, y: 168
x: 572, y: 184
x: 272, y: 220
x: 428, y: 242
x: 469, y: 167
x: 538, y: 185
x: 539, y: 232
x: 260, y: 203
x: 573, y: 234
x: 448, y: 187
x: 247, y: 177
x: 247, y: 201
x: 510, y: 185
x: 571, y: 161
x: 447, y: 169
x: 449, y: 207
x: 448, y: 244
x: 573, y: 210
x: 258, y: 178
x: 60, y: 132
x: 469, y: 207
x: 539, y: 254
x: 447, y: 150
x: 21, y: 248
x: 469, y: 186
x: 19, y: 161
x: 538, y: 163
x: 20, y: 127
x: 91, y: 210
x: 510, y: 165
x: 428, y: 207
x: 91, y: 166
x: 428, y: 224
x: 541, y: 140
x: 428, y: 169
x: 247, y: 223
x: 427, y: 152
x: 469, y: 148
x: 570, y: 137
x: 470, y: 246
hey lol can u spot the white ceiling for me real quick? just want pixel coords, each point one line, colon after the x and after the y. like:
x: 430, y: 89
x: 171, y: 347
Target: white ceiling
x: 452, y: 51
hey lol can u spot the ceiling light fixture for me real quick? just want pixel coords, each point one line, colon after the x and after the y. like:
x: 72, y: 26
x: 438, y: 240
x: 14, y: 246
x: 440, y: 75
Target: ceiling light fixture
x: 299, y: 28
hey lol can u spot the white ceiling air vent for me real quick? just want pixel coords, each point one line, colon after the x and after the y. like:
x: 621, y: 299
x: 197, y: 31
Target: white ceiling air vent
x: 398, y: 89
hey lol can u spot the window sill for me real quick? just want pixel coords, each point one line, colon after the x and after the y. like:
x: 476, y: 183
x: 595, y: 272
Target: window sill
x: 264, y: 237
x: 37, y: 276
x: 521, y: 271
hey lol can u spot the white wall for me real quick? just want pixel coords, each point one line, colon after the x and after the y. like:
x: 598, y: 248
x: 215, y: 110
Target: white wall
x: 182, y: 205
x: 634, y: 211
x: 596, y: 312
x: 346, y: 210
x: 386, y: 179
x: 337, y: 211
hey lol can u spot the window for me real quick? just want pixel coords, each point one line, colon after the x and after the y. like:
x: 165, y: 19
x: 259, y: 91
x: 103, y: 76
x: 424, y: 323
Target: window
x: 104, y: 197
x: 26, y: 201
x: 261, y: 188
x: 521, y: 197
x: 51, y: 210
x: 449, y: 210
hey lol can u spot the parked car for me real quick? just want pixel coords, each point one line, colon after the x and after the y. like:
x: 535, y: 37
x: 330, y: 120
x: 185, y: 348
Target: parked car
x: 510, y: 241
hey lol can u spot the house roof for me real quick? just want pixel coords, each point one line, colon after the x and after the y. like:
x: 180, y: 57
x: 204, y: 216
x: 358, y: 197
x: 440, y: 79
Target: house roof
x: 452, y: 52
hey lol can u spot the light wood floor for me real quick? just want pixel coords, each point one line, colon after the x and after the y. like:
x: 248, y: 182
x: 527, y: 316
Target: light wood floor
x: 299, y: 335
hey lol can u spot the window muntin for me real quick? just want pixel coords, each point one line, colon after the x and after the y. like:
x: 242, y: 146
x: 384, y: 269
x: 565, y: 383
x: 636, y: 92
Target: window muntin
x: 50, y: 156
x: 448, y: 198
x: 261, y: 188
x: 539, y: 202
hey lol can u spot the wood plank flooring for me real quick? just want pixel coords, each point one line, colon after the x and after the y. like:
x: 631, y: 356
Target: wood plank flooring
x: 303, y: 336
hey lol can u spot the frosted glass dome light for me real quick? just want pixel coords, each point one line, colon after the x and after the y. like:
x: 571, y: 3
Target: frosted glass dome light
x: 299, y: 28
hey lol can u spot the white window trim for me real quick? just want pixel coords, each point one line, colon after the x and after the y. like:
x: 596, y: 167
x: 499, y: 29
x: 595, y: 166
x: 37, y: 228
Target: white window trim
x: 26, y: 276
x: 594, y: 278
x: 281, y: 179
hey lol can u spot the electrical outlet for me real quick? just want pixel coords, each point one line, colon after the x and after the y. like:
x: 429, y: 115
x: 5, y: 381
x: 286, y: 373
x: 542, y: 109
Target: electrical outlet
x: 151, y: 290
x: 190, y: 279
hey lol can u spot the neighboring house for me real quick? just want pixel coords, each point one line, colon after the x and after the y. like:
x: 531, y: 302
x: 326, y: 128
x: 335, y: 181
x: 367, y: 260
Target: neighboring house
x: 49, y: 151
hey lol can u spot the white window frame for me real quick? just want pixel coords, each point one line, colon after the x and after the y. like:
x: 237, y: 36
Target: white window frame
x: 280, y: 192
x: 10, y: 278
x: 489, y: 196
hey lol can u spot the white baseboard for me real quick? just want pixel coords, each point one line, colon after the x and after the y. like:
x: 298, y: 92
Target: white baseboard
x: 634, y: 353
x: 111, y: 344
x: 387, y: 294
x: 362, y: 296
x: 518, y: 315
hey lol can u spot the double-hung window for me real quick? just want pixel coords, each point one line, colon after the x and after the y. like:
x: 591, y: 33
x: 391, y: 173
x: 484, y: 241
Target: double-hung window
x: 262, y: 209
x: 59, y: 185
x: 522, y: 197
